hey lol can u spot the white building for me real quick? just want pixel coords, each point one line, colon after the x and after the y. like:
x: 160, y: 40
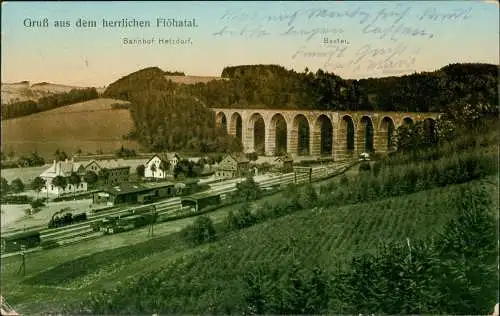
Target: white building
x: 64, y: 169
x: 168, y: 161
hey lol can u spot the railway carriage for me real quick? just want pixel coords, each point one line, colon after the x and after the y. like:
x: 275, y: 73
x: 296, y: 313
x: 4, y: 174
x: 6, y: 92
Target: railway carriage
x: 14, y: 242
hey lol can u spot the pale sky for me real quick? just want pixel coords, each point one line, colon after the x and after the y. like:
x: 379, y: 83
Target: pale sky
x: 365, y: 39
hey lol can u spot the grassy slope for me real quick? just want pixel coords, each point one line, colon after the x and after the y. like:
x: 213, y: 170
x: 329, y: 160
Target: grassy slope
x: 327, y: 237
x: 89, y: 126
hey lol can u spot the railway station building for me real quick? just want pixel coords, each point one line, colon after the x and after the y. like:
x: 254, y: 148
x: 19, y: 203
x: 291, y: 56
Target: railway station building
x: 201, y: 200
x: 134, y: 193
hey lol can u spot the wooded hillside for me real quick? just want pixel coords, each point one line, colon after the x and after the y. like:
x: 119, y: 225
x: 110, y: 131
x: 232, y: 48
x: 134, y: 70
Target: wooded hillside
x: 166, y: 118
x: 180, y: 112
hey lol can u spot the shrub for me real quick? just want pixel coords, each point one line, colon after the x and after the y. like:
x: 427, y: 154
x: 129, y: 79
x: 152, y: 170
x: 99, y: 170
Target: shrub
x: 230, y: 221
x: 261, y: 212
x: 248, y: 190
x: 300, y: 291
x: 370, y: 282
x: 405, y: 179
x: 377, y: 166
x: 308, y: 197
x: 17, y: 185
x: 200, y: 232
x: 469, y: 255
x: 37, y: 203
x: 455, y: 274
x: 365, y: 166
x: 125, y: 152
x: 291, y: 190
x: 241, y: 219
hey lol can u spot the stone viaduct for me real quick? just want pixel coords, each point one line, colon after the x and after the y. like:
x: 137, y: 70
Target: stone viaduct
x: 337, y: 134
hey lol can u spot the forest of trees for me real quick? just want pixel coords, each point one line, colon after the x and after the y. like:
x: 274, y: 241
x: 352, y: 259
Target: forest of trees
x: 166, y: 118
x: 171, y: 116
x: 144, y: 79
x: 272, y: 86
x: 22, y: 108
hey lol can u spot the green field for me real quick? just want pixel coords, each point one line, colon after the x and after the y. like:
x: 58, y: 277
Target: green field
x: 328, y: 237
x: 89, y: 126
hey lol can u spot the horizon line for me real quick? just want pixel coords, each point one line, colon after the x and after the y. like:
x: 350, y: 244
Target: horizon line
x: 32, y: 83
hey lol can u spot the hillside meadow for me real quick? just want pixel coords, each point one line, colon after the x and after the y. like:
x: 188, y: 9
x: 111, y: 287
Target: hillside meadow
x: 215, y: 278
x: 90, y: 126
x: 132, y: 266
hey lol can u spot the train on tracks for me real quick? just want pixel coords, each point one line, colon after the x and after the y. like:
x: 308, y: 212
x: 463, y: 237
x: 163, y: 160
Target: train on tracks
x: 132, y: 219
x: 151, y: 213
x: 66, y: 219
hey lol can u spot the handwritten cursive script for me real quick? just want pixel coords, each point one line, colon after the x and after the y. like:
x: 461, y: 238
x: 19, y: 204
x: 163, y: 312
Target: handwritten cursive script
x: 323, y: 34
x: 432, y: 14
x: 368, y: 58
x: 248, y: 31
x: 392, y: 23
x: 310, y: 33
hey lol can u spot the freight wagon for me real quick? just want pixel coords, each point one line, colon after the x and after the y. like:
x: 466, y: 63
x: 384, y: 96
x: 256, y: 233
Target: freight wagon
x: 14, y: 242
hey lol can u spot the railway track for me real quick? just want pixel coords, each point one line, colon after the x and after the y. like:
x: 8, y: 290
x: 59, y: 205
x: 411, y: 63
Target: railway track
x: 78, y: 232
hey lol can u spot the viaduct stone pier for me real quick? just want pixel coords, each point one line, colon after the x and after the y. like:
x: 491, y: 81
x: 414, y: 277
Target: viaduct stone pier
x: 336, y: 134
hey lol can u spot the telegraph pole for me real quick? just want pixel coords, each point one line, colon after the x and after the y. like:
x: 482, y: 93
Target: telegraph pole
x: 22, y: 268
x: 151, y: 224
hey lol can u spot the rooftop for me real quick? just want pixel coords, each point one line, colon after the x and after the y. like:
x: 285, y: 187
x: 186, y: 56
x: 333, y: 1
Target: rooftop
x: 155, y: 185
x: 61, y: 168
x: 110, y: 164
x: 126, y: 188
x: 165, y: 156
x: 239, y: 157
x: 201, y: 195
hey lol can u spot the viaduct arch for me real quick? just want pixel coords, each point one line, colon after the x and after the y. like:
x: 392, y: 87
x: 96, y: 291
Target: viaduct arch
x: 336, y: 134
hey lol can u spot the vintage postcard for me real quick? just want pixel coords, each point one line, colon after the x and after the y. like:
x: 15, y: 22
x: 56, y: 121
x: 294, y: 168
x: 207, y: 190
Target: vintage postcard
x: 249, y: 158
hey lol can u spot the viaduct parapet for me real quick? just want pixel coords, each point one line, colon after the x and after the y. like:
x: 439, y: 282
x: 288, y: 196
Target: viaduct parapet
x: 338, y: 134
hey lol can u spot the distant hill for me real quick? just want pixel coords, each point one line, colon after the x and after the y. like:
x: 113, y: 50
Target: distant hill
x: 147, y: 78
x: 166, y: 117
x: 192, y: 79
x: 273, y: 86
x: 170, y: 111
x: 90, y: 126
x: 153, y: 77
x: 50, y: 101
x: 24, y: 91
x: 434, y: 91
